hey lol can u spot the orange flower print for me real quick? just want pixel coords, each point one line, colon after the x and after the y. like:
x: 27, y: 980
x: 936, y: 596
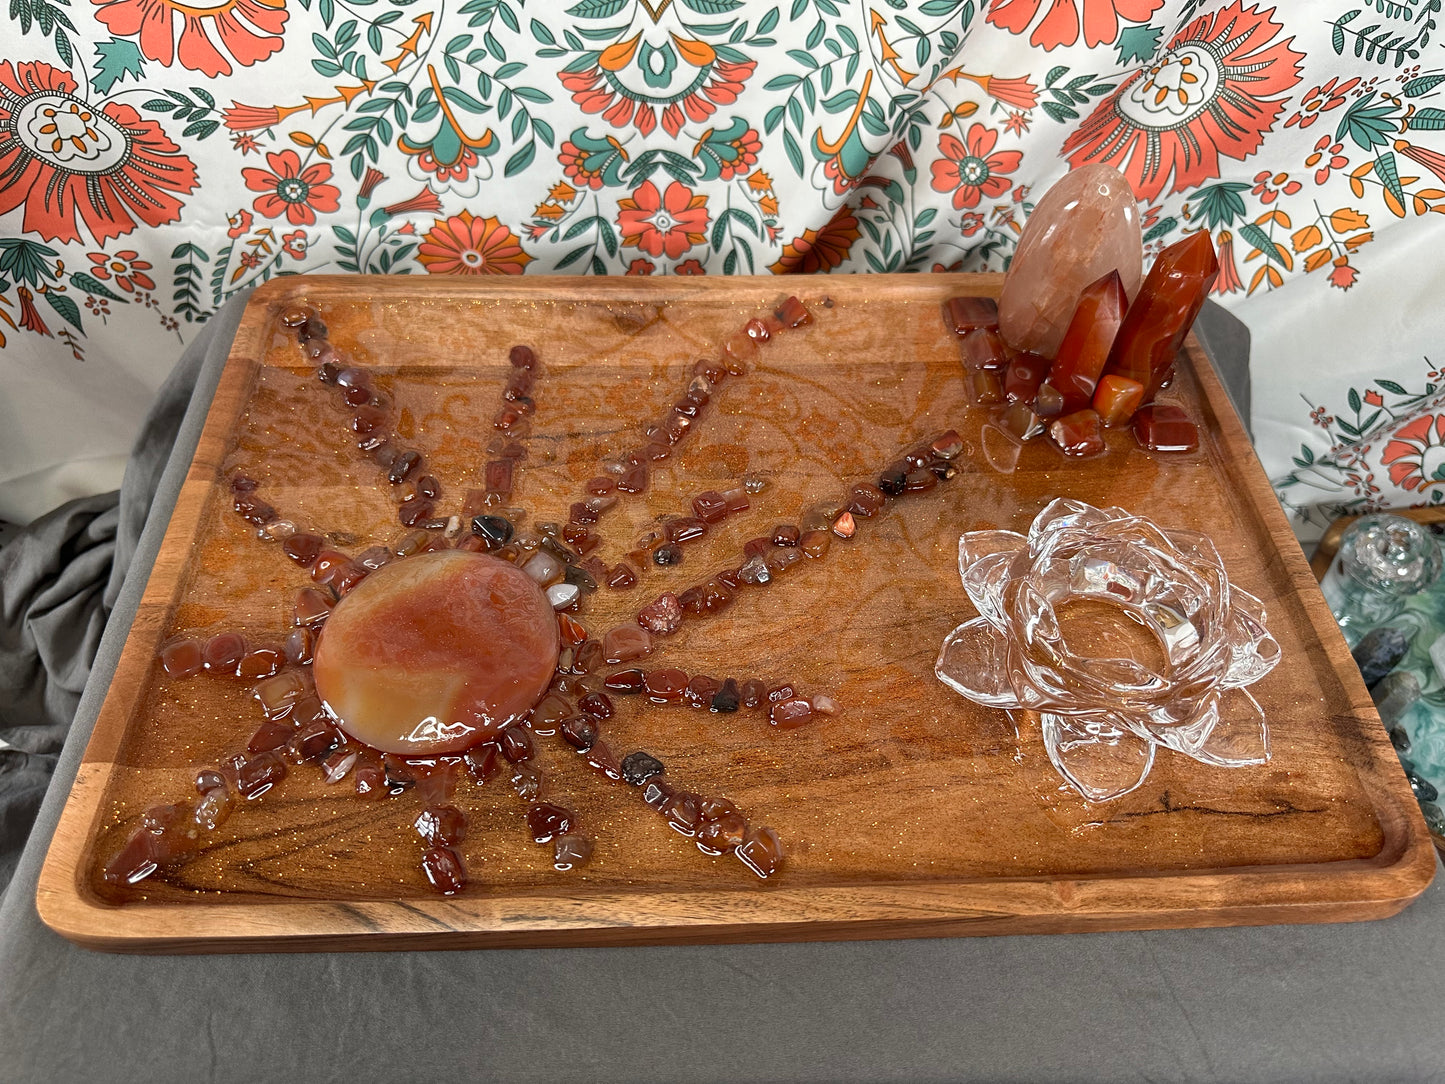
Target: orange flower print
x: 239, y: 223
x: 1416, y: 453
x: 466, y: 245
x: 249, y: 30
x: 640, y: 266
x: 1336, y: 160
x: 969, y: 171
x: 667, y: 223
x: 1321, y: 99
x: 295, y: 244
x: 124, y: 268
x: 1268, y: 186
x: 689, y: 267
x: 1228, y: 280
x: 819, y: 250
x: 68, y: 162
x: 1343, y: 275
x: 1374, y: 398
x: 292, y: 191
x: 1212, y: 94
x: 1062, y: 20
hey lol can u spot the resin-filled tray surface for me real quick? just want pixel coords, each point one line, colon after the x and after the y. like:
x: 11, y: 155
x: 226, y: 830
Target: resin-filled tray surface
x: 911, y: 813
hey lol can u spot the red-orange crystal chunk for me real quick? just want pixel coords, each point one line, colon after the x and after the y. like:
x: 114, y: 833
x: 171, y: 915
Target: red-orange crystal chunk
x: 1023, y: 376
x: 965, y: 314
x: 436, y: 653
x: 983, y: 349
x: 1163, y: 427
x: 1080, y: 433
x: 1162, y: 315
x: 1086, y: 344
x: 1116, y: 398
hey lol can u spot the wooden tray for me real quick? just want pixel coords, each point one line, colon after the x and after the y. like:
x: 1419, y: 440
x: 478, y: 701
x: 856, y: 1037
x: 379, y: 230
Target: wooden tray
x: 914, y: 813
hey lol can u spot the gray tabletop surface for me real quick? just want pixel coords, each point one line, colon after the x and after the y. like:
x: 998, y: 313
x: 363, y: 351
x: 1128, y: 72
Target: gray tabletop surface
x: 1298, y: 1003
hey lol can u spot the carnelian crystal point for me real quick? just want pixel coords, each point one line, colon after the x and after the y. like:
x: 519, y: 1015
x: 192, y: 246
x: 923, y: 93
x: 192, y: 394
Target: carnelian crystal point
x: 1086, y: 344
x: 437, y: 652
x: 1162, y: 314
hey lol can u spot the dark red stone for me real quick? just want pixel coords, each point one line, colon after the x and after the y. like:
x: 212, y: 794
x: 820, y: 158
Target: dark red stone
x: 303, y: 548
x: 965, y: 314
x: 1163, y: 427
x: 762, y: 851
x: 1078, y: 434
x: 441, y: 825
x: 709, y: 506
x: 483, y: 761
x: 444, y: 870
x: 223, y: 653
x: 182, y: 658
x: 665, y: 686
x: 597, y: 704
x: 545, y: 820
x: 626, y: 681
x: 517, y: 744
x: 634, y: 481
x: 793, y: 313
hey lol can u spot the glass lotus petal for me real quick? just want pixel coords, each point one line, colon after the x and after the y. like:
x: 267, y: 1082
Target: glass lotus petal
x: 1104, y: 715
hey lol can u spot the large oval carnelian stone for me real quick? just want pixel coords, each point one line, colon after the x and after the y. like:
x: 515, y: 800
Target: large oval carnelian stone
x: 436, y: 653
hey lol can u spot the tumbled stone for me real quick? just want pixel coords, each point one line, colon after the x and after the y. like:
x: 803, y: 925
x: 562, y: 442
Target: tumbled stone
x: 182, y: 658
x: 709, y: 506
x: 563, y: 595
x: 983, y: 350
x: 639, y: 767
x: 815, y: 543
x: 727, y: 699
x: 754, y: 692
x: 666, y: 686
x: 1379, y: 652
x: 755, y: 570
x: 626, y: 681
x: 791, y: 713
x: 223, y: 653
x: 1020, y: 420
x: 1116, y: 398
x: 1164, y: 427
x: 546, y: 820
x: 1078, y: 434
x: 1083, y: 227
x: 762, y: 851
x: 571, y: 852
x: 965, y: 314
x: 722, y: 833
x: 662, y: 616
x: 625, y: 643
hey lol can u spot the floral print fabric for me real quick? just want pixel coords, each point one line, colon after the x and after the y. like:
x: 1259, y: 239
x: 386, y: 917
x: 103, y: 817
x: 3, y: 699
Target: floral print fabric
x: 157, y: 157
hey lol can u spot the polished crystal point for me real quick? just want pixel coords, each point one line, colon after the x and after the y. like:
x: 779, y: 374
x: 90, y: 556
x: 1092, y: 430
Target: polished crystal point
x: 1086, y: 344
x: 1164, y: 311
x: 1085, y: 226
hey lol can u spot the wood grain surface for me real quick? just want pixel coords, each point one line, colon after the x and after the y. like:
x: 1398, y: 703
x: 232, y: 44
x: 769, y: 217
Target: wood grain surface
x: 913, y: 813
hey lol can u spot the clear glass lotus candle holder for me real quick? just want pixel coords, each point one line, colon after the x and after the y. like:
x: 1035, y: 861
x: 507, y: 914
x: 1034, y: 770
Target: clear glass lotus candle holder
x: 1123, y: 636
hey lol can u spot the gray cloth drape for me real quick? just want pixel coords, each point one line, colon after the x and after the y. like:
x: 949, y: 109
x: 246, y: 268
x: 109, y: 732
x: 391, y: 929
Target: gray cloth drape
x: 59, y: 580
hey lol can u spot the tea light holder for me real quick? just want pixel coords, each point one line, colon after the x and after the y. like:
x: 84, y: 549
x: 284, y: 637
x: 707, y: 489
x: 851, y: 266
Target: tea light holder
x: 1104, y: 717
